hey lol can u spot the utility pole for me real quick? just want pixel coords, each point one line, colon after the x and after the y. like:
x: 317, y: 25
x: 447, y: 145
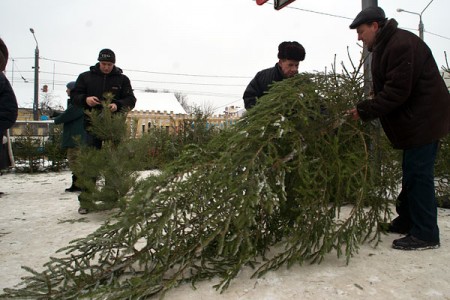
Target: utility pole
x: 367, y: 57
x: 375, y: 124
x: 421, y: 27
x: 36, y: 79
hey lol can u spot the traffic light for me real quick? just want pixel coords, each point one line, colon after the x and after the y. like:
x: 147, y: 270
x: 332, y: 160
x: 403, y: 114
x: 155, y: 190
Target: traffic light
x: 279, y: 4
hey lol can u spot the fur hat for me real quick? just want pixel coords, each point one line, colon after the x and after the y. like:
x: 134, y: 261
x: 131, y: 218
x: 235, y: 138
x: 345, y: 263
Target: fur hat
x: 291, y: 51
x: 70, y: 85
x: 368, y: 15
x: 107, y: 55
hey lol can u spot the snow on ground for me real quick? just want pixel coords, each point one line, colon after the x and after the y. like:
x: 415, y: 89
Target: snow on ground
x: 37, y: 218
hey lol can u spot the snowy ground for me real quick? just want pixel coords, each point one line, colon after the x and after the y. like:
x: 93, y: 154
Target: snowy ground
x: 37, y: 218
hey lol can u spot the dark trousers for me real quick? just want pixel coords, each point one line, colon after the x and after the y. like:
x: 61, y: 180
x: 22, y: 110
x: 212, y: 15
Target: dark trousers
x: 93, y: 141
x: 416, y: 204
x: 5, y: 161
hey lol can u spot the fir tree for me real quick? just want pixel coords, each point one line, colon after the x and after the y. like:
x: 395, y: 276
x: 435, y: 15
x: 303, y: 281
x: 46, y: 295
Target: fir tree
x: 108, y: 174
x: 442, y: 171
x: 265, y: 193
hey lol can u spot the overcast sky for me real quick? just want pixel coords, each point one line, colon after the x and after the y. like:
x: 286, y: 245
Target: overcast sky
x: 206, y: 49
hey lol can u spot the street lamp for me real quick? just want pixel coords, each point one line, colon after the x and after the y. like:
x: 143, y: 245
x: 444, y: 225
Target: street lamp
x: 36, y: 79
x: 420, y: 18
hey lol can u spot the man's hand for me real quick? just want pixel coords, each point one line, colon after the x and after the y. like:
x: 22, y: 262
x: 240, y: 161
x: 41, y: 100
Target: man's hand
x: 353, y: 113
x: 92, y: 101
x: 113, y: 107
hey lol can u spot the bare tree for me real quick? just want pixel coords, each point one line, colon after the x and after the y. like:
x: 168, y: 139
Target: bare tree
x: 48, y: 105
x: 182, y: 99
x: 207, y: 108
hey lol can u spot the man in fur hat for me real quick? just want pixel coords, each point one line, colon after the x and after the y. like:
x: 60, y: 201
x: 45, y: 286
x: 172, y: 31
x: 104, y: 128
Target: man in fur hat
x: 289, y: 54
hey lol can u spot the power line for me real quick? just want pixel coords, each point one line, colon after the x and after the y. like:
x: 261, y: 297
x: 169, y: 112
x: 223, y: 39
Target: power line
x: 186, y: 92
x: 190, y: 83
x: 228, y: 104
x: 415, y: 29
x: 441, y: 36
x: 320, y: 13
x: 20, y: 73
x: 60, y: 82
x: 315, y: 12
x: 189, y: 75
x: 23, y: 58
x: 211, y: 94
x: 154, y: 72
x: 347, y: 18
x: 64, y: 61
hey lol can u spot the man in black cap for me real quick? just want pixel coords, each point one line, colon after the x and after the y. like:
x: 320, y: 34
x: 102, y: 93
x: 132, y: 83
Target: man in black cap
x: 289, y: 54
x: 413, y: 104
x: 89, y: 91
x: 102, y: 78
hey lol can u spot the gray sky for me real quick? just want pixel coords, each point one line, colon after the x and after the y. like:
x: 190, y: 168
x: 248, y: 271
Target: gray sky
x: 207, y: 49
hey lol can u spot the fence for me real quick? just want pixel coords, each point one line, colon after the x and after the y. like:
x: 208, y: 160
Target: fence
x: 34, y: 145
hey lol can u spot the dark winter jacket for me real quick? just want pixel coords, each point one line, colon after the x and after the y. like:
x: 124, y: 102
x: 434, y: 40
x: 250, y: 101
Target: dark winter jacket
x: 411, y: 98
x: 95, y: 83
x: 8, y: 105
x: 260, y: 84
x: 73, y: 128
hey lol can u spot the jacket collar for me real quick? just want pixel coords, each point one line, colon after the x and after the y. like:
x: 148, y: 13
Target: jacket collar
x: 279, y: 72
x: 96, y: 69
x: 384, y: 35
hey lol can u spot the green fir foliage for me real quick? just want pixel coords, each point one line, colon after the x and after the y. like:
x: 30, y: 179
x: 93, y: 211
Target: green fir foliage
x: 28, y: 150
x: 442, y: 171
x: 53, y: 151
x: 108, y: 174
x: 266, y: 193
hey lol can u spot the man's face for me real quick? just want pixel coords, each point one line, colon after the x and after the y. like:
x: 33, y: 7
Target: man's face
x: 106, y: 67
x: 367, y: 33
x: 289, y: 68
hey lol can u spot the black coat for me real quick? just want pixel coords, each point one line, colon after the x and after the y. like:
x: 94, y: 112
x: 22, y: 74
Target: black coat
x: 8, y: 105
x: 411, y: 98
x: 73, y: 128
x: 95, y: 83
x: 260, y: 84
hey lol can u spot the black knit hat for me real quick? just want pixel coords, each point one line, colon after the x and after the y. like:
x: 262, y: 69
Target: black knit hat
x: 368, y: 15
x: 291, y: 51
x: 71, y: 85
x: 107, y: 55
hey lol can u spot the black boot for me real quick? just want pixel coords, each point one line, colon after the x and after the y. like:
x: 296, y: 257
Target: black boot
x: 73, y: 188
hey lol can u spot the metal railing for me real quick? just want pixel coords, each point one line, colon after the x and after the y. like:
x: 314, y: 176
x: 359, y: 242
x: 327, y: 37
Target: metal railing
x: 27, y: 143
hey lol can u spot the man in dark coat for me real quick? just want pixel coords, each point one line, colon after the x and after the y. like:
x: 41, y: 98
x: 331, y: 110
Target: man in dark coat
x: 289, y: 56
x: 8, y: 101
x: 89, y: 91
x: 413, y: 104
x: 73, y: 133
x: 104, y: 77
